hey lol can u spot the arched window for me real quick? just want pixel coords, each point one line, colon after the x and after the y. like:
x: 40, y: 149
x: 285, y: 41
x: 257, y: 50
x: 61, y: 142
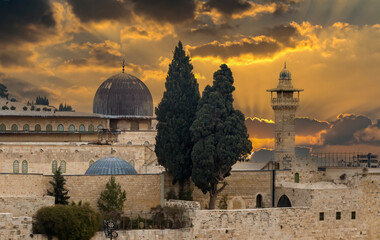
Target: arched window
x: 3, y: 127
x: 37, y: 128
x: 284, y: 201
x: 71, y: 128
x: 259, y: 201
x: 100, y: 127
x: 54, y: 166
x: 134, y: 125
x: 63, y: 167
x: 90, y: 163
x: 24, y: 166
x: 82, y: 128
x: 16, y: 167
x: 132, y: 163
x: 296, y: 178
x: 49, y: 128
x: 129, y: 143
x: 14, y: 128
x: 146, y: 143
x: 91, y: 128
x: 60, y: 128
x: 25, y: 128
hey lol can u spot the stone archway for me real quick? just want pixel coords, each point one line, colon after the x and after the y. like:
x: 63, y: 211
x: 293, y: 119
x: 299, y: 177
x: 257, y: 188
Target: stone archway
x: 284, y: 201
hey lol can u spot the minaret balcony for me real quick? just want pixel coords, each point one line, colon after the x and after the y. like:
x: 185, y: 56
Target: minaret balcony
x: 285, y: 101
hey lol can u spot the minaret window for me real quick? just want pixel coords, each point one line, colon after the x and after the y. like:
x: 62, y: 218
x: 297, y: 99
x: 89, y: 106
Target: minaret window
x: 37, y: 128
x: 49, y: 128
x: 24, y: 166
x: 60, y: 128
x: 82, y: 128
x: 71, y: 128
x: 91, y: 128
x: 14, y: 128
x: 16, y: 167
x: 25, y: 128
x: 3, y: 127
x: 54, y: 166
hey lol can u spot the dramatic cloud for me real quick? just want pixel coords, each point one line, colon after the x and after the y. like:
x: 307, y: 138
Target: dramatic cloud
x: 173, y: 11
x: 342, y: 131
x: 99, y: 10
x: 266, y: 155
x: 25, y: 21
x: 228, y: 7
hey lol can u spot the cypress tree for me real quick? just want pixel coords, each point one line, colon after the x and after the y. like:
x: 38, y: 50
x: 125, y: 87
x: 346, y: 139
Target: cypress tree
x: 59, y: 191
x: 220, y: 136
x: 175, y: 114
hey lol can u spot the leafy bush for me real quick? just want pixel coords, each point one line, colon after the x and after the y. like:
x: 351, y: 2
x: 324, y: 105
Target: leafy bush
x: 32, y: 108
x: 25, y: 108
x: 5, y: 108
x: 223, y: 202
x: 171, y: 194
x: 38, y: 109
x: 13, y: 108
x: 13, y: 99
x: 67, y: 222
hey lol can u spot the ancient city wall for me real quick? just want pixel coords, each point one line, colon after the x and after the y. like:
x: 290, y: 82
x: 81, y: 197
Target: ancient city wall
x: 24, y: 206
x: 242, y: 190
x: 76, y: 157
x: 15, y: 227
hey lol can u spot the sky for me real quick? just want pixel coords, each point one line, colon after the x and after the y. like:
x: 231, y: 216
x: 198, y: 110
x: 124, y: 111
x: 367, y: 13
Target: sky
x: 65, y: 49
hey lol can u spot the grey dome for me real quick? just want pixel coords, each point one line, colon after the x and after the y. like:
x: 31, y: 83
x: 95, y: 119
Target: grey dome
x: 123, y: 95
x: 111, y: 166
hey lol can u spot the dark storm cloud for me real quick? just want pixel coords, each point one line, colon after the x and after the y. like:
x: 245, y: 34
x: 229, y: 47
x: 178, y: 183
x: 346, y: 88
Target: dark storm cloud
x: 98, y: 10
x: 235, y: 49
x: 25, y: 20
x: 283, y: 6
x: 266, y: 155
x: 15, y: 57
x: 24, y: 91
x: 283, y: 34
x: 342, y: 131
x: 304, y: 126
x: 228, y: 7
x: 280, y: 36
x: 206, y: 32
x: 173, y: 11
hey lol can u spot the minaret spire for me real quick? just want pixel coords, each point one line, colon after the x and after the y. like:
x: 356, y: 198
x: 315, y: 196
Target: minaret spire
x: 123, y: 64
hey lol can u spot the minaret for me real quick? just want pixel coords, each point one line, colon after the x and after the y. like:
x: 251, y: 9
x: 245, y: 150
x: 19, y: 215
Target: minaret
x: 284, y: 103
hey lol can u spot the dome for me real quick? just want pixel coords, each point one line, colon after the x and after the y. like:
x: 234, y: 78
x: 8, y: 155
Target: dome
x: 111, y: 166
x: 285, y: 74
x: 123, y: 95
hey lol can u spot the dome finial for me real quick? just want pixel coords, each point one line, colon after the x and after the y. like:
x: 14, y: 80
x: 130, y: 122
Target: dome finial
x: 123, y: 64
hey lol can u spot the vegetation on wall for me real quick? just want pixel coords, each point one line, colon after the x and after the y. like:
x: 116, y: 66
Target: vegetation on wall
x: 175, y: 114
x: 65, y: 108
x: 59, y: 192
x: 42, y: 100
x: 111, y: 200
x: 220, y: 136
x: 67, y: 222
x: 3, y: 91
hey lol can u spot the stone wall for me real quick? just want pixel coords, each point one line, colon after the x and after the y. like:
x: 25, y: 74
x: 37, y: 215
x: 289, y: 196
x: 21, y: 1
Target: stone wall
x: 15, y: 227
x: 243, y: 188
x: 24, y: 206
x: 76, y: 156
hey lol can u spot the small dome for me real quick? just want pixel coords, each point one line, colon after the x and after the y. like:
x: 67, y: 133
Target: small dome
x: 123, y: 95
x: 111, y: 166
x: 285, y: 74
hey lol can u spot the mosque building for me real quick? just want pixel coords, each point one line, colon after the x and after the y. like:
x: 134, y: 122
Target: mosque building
x: 39, y: 140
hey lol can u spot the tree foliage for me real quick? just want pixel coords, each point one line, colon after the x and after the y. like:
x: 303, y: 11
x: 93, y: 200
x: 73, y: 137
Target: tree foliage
x: 175, y: 114
x: 111, y: 200
x: 67, y: 222
x: 220, y: 136
x: 42, y: 100
x: 60, y: 193
x: 65, y: 108
x: 3, y: 91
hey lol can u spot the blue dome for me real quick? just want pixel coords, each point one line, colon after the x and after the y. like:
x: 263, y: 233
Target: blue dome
x: 111, y: 166
x: 285, y: 74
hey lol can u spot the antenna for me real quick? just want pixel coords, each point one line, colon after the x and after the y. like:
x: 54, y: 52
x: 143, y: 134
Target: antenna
x: 123, y: 65
x: 285, y: 65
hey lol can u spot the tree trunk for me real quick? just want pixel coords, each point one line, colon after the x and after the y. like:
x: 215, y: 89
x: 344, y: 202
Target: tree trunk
x: 213, y: 196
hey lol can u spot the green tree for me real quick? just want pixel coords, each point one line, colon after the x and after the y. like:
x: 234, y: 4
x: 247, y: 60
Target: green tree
x: 220, y: 136
x: 175, y: 114
x: 3, y: 91
x: 59, y: 191
x: 111, y: 200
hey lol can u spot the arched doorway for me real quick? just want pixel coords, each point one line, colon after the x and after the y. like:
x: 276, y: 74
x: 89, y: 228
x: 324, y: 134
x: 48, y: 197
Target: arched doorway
x: 259, y: 201
x: 284, y: 201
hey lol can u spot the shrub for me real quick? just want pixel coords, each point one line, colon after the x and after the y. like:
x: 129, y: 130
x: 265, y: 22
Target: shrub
x: 223, y: 202
x: 67, y: 222
x: 32, y: 108
x: 13, y: 99
x: 25, y: 108
x: 171, y: 194
x: 13, y: 108
x: 38, y: 109
x: 5, y: 107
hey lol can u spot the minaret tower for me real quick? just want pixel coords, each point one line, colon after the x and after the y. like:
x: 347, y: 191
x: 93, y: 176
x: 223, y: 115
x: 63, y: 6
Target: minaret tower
x: 284, y: 103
